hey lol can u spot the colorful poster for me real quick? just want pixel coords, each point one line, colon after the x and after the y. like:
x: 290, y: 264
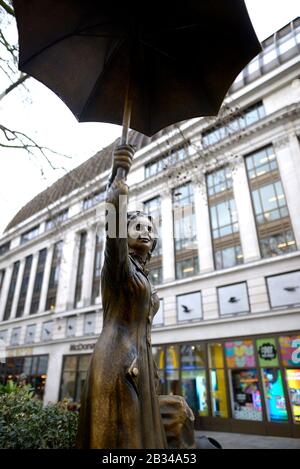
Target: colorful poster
x: 274, y: 395
x: 293, y: 380
x: 290, y: 350
x: 240, y: 354
x: 267, y: 352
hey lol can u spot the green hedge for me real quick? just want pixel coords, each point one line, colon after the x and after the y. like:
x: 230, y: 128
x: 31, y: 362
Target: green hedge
x: 26, y: 424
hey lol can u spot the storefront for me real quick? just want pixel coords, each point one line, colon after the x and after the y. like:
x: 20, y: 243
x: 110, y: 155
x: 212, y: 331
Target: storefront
x: 28, y: 370
x: 249, y: 385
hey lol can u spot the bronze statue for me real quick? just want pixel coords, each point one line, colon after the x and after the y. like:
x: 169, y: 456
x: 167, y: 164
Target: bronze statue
x: 119, y: 406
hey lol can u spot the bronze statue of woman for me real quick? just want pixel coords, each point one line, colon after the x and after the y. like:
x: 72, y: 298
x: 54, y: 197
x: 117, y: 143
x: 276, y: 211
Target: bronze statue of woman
x: 119, y: 405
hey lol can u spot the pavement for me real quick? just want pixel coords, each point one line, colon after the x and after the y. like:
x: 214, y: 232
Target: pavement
x: 243, y: 441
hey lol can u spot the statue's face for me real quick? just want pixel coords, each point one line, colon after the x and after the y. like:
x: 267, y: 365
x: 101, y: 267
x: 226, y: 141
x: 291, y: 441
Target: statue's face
x: 141, y: 235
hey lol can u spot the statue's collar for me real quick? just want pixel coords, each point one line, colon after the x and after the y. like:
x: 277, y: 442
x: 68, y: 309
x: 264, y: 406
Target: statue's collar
x: 138, y: 262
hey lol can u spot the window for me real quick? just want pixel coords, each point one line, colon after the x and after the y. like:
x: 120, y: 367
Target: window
x: 75, y: 368
x: 284, y: 289
x: 47, y: 330
x: 89, y: 323
x: 80, y: 266
x: 3, y: 339
x: 24, y: 287
x: 30, y: 334
x: 56, y: 221
x: 153, y: 209
x: 11, y: 291
x: 15, y: 336
x: 184, y: 220
x: 167, y: 160
x: 219, y: 400
x: 223, y: 217
x: 246, y: 399
x: 93, y: 199
x: 97, y: 268
x: 2, y: 275
x: 71, y: 326
x: 173, y: 369
x: 189, y: 307
x: 193, y: 378
x: 29, y: 235
x: 33, y: 368
x: 235, y: 124
x: 233, y: 299
x: 54, y: 276
x: 4, y: 248
x: 35, y: 301
x: 273, y: 223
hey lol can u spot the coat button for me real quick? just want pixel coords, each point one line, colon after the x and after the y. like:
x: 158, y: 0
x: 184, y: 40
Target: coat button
x: 135, y: 371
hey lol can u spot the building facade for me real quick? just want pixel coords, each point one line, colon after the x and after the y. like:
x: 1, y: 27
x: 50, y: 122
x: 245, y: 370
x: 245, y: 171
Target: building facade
x: 225, y: 195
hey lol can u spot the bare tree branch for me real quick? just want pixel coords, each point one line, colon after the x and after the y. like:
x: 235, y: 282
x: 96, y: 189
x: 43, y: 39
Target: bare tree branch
x: 14, y: 85
x: 7, y: 8
x: 19, y: 140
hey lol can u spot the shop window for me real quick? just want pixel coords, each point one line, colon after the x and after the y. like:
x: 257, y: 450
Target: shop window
x: 158, y: 353
x: 218, y: 393
x: 83, y: 366
x: 215, y: 356
x: 240, y: 354
x: 75, y: 368
x: 194, y: 390
x: 189, y: 307
x: 233, y: 299
x: 158, y: 319
x: 284, y: 289
x: 274, y: 395
x: 30, y: 370
x: 68, y: 384
x: 290, y: 350
x: 172, y: 370
x: 192, y: 356
x: 193, y: 378
x: 245, y: 395
x: 219, y: 399
x: 293, y: 381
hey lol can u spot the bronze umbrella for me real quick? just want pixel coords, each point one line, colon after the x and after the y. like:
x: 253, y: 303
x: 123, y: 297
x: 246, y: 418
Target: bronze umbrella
x: 157, y: 62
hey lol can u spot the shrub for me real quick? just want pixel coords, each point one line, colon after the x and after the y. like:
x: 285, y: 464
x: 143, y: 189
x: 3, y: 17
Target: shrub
x: 26, y: 424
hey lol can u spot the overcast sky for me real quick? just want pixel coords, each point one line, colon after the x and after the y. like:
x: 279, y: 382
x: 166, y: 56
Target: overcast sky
x: 50, y: 122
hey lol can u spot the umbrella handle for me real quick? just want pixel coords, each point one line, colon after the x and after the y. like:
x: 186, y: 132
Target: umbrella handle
x: 126, y: 117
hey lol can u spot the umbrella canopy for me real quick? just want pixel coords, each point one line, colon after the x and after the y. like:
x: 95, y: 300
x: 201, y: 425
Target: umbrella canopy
x: 177, y: 59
